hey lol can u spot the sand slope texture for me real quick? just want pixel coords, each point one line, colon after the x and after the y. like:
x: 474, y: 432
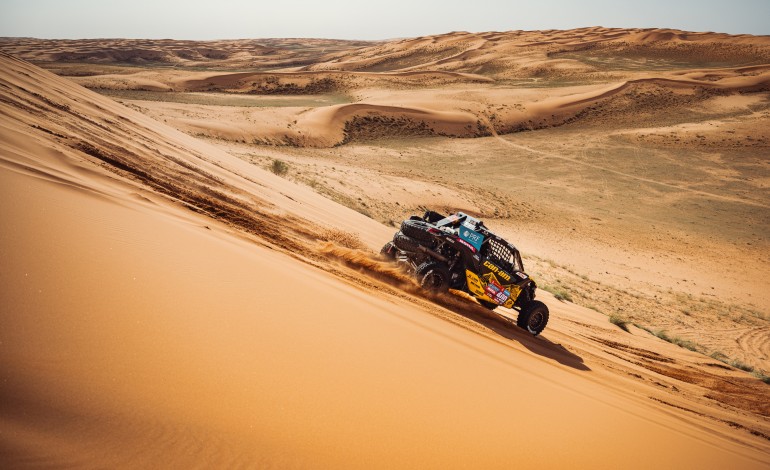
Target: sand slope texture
x: 166, y: 304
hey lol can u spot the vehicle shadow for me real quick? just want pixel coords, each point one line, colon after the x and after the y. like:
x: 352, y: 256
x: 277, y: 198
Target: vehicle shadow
x: 506, y: 327
x: 457, y: 302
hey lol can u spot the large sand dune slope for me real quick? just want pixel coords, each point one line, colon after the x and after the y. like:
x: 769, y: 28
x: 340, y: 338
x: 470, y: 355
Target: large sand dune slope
x: 167, y: 305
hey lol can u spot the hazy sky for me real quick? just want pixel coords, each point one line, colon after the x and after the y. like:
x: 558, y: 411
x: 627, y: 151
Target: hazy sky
x: 362, y: 19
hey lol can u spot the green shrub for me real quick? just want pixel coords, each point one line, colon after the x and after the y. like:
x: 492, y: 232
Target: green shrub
x: 621, y: 322
x: 559, y: 292
x: 740, y: 365
x: 761, y: 376
x: 279, y: 167
x: 682, y: 343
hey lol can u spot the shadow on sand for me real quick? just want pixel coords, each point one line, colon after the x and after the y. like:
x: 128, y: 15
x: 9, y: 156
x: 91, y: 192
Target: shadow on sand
x: 457, y: 302
x: 506, y: 327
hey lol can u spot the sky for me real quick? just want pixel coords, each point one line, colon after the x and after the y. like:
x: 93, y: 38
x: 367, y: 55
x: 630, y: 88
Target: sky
x: 362, y: 19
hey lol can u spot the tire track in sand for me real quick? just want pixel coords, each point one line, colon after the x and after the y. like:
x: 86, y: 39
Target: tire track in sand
x: 755, y: 342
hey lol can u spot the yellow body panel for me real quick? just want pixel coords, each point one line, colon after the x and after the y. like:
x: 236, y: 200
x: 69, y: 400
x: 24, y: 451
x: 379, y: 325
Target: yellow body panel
x: 476, y: 287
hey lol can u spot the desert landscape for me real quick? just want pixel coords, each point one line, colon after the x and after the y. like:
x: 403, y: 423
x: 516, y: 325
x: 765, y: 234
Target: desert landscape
x: 191, y: 234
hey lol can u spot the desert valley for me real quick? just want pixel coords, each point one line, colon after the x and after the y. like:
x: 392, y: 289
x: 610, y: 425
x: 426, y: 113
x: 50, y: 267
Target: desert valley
x: 191, y: 232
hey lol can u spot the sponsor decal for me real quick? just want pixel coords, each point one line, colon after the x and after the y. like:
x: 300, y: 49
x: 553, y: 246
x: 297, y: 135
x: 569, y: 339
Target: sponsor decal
x: 473, y: 248
x: 474, y: 283
x: 521, y: 275
x: 497, y: 270
x: 496, y: 292
x: 474, y: 238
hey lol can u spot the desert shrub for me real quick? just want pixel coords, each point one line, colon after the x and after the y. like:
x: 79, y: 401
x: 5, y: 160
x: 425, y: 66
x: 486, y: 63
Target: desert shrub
x: 740, y: 365
x: 559, y: 292
x: 682, y: 343
x: 719, y: 357
x: 762, y: 376
x: 621, y: 322
x: 279, y: 167
x: 662, y: 335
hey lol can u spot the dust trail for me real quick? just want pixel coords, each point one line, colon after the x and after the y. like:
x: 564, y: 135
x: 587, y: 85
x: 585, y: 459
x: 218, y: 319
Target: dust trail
x: 379, y: 269
x: 372, y: 265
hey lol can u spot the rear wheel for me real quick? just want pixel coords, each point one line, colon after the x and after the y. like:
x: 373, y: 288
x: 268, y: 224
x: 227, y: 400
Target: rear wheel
x: 433, y: 276
x: 388, y: 251
x: 533, y: 317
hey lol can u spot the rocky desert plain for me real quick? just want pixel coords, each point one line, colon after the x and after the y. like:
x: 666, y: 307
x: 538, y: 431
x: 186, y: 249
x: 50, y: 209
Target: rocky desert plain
x: 190, y: 236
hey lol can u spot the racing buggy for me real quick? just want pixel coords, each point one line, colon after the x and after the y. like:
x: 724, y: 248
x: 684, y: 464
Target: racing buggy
x: 459, y: 252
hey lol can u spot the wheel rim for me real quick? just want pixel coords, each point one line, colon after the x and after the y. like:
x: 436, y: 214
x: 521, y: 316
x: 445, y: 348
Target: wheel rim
x: 535, y: 321
x: 433, y: 280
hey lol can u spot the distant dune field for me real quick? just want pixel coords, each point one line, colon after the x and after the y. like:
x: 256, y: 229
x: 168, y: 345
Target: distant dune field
x: 189, y: 251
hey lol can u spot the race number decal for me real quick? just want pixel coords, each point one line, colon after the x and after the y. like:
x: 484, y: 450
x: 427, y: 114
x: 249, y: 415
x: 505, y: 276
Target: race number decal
x: 496, y: 292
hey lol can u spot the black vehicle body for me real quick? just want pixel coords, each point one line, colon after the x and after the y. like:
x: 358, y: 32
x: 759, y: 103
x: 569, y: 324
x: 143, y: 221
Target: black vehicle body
x: 459, y: 252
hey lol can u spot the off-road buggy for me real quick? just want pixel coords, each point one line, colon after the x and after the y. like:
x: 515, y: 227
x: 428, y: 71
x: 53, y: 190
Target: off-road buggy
x: 459, y: 252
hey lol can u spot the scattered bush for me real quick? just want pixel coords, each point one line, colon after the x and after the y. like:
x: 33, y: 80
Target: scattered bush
x: 719, y: 357
x: 559, y: 292
x: 279, y: 167
x: 621, y: 322
x: 682, y: 343
x: 761, y: 376
x: 740, y: 365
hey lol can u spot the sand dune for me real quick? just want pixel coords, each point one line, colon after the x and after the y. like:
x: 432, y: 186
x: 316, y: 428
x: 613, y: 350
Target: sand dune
x: 239, y: 53
x: 272, y: 83
x: 538, y: 53
x: 168, y: 304
x: 434, y: 112
x: 500, y: 55
x: 692, y: 66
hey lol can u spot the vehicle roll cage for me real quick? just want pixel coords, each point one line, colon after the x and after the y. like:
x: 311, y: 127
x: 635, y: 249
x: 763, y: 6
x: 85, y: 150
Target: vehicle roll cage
x: 494, y: 248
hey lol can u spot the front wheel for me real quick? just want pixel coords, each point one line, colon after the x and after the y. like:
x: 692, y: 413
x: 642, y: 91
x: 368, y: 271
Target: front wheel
x: 533, y: 317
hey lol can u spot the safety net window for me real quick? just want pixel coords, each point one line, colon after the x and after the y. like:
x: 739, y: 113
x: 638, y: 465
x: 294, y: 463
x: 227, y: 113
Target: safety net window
x: 502, y: 255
